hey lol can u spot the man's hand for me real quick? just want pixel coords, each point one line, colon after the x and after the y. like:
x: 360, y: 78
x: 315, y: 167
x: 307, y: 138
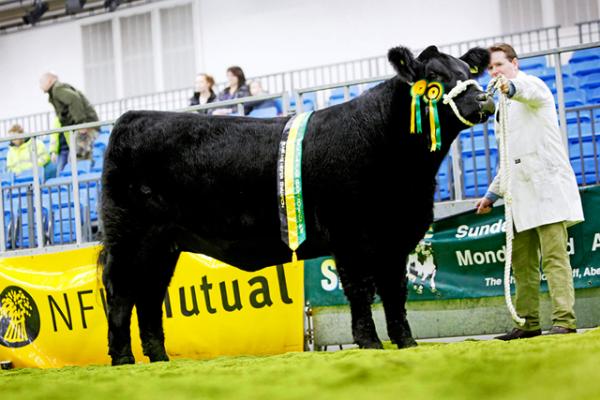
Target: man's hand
x: 53, y: 157
x: 504, y: 84
x: 483, y: 206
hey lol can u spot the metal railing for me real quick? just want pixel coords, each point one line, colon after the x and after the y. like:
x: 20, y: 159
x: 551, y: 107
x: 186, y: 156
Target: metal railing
x: 588, y: 31
x: 465, y: 157
x: 289, y: 81
x: 38, y: 205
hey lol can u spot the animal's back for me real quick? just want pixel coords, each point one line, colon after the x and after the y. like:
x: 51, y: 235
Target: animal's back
x: 209, y: 181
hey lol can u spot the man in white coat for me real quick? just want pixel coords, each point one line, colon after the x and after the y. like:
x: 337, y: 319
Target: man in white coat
x: 545, y: 197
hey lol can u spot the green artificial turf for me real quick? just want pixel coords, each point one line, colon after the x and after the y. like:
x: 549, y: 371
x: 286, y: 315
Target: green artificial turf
x: 556, y: 367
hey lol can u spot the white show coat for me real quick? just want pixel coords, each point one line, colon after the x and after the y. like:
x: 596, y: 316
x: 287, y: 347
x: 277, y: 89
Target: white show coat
x: 543, y: 185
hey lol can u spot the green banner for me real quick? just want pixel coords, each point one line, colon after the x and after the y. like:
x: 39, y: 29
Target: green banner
x: 463, y: 257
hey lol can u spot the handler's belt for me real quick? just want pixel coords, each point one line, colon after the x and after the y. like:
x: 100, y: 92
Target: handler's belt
x: 289, y: 182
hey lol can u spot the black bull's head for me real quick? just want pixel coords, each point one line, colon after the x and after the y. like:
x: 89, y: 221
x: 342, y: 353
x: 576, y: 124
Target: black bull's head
x: 473, y: 104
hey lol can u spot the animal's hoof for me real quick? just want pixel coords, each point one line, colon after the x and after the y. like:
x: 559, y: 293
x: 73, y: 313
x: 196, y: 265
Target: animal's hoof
x: 370, y: 344
x: 406, y: 342
x: 159, y: 357
x: 123, y: 360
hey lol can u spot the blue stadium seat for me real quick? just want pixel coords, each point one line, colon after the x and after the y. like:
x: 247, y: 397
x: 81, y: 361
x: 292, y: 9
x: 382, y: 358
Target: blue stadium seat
x: 477, y: 143
x: 337, y: 95
x: 89, y: 193
x: 585, y: 68
x: 27, y: 176
x: 472, y: 162
x: 531, y: 63
x: 587, y: 172
x: 22, y: 231
x: 62, y: 183
x: 102, y: 140
x: 574, y: 130
x: 371, y: 85
x: 585, y: 55
x: 477, y: 190
x: 309, y: 101
x: 8, y: 230
x: 278, y: 105
x: 105, y: 129
x: 593, y: 96
x: 97, y: 165
x: 3, y: 165
x: 591, y: 81
x: 62, y: 216
x: 83, y: 167
x: 267, y: 112
x: 442, y: 191
x: 588, y: 146
x: 98, y: 152
x: 548, y: 74
x: 570, y: 84
x: 582, y: 116
x: 445, y: 166
x: 484, y: 79
x: 536, y: 71
x: 6, y: 179
x: 574, y: 98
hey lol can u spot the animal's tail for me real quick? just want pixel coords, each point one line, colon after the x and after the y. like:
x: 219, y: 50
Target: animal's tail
x: 100, y: 263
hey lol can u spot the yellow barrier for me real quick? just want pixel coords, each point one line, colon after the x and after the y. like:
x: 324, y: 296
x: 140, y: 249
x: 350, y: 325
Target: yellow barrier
x: 52, y: 310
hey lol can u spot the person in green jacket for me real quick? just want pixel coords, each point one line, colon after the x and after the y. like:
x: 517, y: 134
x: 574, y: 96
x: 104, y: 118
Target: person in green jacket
x: 71, y: 108
x: 18, y: 159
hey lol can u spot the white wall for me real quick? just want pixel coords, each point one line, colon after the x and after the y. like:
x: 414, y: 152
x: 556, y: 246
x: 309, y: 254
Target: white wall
x: 26, y: 55
x: 262, y: 36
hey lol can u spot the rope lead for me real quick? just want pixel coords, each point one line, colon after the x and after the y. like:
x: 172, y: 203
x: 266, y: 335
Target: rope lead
x: 505, y: 179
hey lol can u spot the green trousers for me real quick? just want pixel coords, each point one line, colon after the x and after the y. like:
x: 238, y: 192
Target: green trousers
x: 550, y: 243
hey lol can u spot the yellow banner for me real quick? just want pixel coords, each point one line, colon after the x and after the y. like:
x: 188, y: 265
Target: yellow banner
x: 53, y: 310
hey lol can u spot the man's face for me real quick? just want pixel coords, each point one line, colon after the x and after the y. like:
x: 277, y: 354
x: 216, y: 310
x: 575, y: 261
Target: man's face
x: 500, y: 65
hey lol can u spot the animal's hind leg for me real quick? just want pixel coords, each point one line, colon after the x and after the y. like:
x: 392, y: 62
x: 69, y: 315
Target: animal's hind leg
x: 157, y: 271
x: 392, y: 288
x: 119, y: 299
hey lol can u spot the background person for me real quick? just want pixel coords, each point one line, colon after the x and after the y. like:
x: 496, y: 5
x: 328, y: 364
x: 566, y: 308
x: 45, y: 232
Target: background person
x: 71, y: 108
x: 236, y: 89
x: 203, y: 91
x: 18, y: 159
x: 545, y: 197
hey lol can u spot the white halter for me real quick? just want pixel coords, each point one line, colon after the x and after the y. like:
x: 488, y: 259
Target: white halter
x: 458, y: 89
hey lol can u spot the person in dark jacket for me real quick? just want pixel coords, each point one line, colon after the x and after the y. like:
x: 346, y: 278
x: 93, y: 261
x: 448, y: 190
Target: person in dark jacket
x: 237, y: 89
x: 71, y: 108
x: 203, y: 93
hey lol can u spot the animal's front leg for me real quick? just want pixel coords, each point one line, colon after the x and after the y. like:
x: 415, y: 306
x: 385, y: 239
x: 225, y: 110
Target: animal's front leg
x: 359, y: 288
x: 391, y: 287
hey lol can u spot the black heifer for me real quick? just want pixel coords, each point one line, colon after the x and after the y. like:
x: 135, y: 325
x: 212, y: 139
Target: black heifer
x: 177, y: 182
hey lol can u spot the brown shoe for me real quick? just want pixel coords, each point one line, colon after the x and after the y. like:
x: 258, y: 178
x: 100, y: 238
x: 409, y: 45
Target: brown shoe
x: 560, y: 330
x: 517, y: 333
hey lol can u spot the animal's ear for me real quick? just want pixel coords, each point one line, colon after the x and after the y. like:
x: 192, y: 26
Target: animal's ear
x: 404, y: 63
x: 428, y: 53
x: 478, y: 60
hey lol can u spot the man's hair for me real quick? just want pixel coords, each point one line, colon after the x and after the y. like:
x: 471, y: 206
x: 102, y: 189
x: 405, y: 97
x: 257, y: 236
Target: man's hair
x: 16, y: 128
x: 506, y: 48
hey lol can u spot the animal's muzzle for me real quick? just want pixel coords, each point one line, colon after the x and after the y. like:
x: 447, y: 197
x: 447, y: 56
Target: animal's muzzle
x: 486, y: 104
